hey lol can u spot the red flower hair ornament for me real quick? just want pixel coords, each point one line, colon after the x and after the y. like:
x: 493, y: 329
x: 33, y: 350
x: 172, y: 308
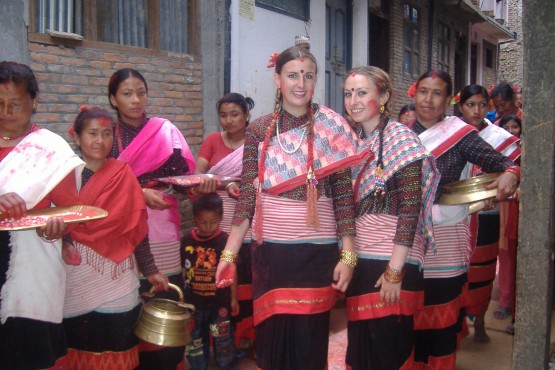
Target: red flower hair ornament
x: 411, y: 92
x: 456, y: 99
x: 272, y: 60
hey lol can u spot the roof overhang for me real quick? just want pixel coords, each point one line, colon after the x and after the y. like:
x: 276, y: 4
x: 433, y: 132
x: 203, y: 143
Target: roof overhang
x: 482, y: 22
x: 487, y: 24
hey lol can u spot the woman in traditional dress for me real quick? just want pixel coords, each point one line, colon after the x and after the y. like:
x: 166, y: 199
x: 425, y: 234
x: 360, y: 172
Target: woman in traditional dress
x: 221, y: 153
x: 102, y: 293
x: 504, y: 100
x: 484, y: 227
x: 394, y: 191
x: 296, y: 187
x: 154, y: 148
x: 36, y: 170
x: 453, y: 143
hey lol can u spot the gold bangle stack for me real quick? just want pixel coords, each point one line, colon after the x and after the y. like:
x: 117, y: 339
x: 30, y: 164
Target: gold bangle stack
x: 229, y: 256
x: 349, y: 258
x: 392, y: 275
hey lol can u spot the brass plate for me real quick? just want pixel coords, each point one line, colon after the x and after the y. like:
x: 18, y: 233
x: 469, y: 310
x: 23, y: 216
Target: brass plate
x: 37, y: 217
x: 194, y: 180
x: 469, y: 190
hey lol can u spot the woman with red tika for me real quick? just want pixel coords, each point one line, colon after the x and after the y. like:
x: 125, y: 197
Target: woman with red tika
x: 36, y: 170
x: 394, y: 192
x: 453, y: 143
x: 296, y: 189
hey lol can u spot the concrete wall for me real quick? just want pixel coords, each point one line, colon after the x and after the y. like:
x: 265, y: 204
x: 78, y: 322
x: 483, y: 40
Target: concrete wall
x: 253, y: 41
x: 13, y: 31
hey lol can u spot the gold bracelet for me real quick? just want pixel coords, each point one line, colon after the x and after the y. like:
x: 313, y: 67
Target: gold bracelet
x: 228, y: 185
x: 392, y: 275
x: 349, y: 258
x: 229, y: 256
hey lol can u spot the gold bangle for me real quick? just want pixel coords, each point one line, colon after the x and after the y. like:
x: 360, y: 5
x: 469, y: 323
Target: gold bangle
x: 229, y: 256
x: 228, y: 185
x: 349, y: 258
x: 393, y: 276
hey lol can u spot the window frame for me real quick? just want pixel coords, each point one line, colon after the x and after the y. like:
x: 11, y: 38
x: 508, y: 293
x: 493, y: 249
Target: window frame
x: 444, y: 43
x: 90, y: 39
x: 286, y: 9
x: 488, y: 47
x: 409, y: 25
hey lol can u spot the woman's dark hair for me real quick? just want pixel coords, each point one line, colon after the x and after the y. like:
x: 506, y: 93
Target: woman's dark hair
x: 469, y: 91
x: 211, y: 202
x: 19, y: 74
x: 440, y: 74
x: 510, y: 117
x: 87, y: 114
x: 246, y: 103
x: 294, y: 52
x: 406, y: 108
x: 121, y: 75
x: 504, y: 90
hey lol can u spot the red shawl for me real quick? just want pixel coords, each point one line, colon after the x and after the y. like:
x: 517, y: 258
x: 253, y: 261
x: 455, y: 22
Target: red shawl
x: 114, y: 188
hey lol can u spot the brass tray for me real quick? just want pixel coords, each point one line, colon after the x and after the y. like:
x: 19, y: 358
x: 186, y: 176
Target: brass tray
x: 37, y: 217
x: 194, y: 180
x: 469, y: 190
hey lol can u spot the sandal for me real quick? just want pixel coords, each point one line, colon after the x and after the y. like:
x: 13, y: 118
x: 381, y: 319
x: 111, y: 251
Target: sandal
x: 501, y: 313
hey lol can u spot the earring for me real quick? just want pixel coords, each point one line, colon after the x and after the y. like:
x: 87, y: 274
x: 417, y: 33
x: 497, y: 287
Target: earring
x: 382, y: 108
x: 34, y: 107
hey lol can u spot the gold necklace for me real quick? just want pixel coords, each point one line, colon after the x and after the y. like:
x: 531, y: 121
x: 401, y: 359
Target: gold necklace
x: 229, y: 144
x: 8, y: 138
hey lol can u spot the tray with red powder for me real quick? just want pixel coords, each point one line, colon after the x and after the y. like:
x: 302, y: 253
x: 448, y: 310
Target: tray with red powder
x: 194, y: 180
x: 38, y: 217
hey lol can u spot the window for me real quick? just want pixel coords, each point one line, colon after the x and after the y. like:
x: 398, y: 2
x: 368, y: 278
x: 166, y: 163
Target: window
x: 153, y: 24
x: 299, y: 9
x: 443, y: 41
x: 411, y: 40
x: 489, y: 54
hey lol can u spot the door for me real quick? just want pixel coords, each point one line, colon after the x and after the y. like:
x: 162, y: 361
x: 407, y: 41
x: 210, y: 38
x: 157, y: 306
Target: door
x: 336, y: 52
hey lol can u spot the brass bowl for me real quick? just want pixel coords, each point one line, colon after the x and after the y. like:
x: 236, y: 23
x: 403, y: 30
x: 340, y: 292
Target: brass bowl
x: 469, y: 190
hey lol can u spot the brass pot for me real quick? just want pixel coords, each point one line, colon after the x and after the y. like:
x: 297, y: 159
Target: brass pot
x: 470, y: 190
x: 165, y: 322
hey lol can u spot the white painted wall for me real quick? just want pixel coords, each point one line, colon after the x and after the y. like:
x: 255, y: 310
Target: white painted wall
x: 360, y: 33
x: 253, y: 41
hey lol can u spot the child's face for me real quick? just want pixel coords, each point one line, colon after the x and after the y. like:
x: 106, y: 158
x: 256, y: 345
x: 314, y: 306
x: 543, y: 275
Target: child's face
x: 512, y: 127
x: 208, y: 222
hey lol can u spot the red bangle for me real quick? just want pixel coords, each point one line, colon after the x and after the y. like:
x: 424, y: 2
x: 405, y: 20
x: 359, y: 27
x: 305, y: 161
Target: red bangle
x: 515, y: 170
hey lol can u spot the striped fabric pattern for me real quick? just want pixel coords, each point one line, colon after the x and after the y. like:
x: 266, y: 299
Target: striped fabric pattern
x: 284, y: 221
x: 452, y: 253
x: 167, y: 256
x: 92, y: 288
x: 374, y: 239
x: 229, y: 210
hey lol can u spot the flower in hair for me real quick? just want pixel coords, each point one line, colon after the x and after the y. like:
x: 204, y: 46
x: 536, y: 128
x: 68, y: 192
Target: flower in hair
x: 272, y: 60
x: 515, y: 89
x: 411, y: 92
x: 491, y: 89
x: 82, y: 108
x: 456, y: 99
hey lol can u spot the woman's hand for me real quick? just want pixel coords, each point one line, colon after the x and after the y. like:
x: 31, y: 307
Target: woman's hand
x: 506, y: 185
x: 159, y: 281
x: 390, y: 293
x: 233, y: 190
x: 12, y: 206
x: 53, y: 230
x: 207, y: 186
x: 225, y: 274
x: 342, y: 275
x: 154, y: 199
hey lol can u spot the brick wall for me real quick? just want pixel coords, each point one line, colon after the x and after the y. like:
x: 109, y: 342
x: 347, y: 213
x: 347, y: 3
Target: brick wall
x: 511, y: 54
x: 70, y: 77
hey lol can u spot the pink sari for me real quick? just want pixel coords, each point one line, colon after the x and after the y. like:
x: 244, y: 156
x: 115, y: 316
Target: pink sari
x: 149, y: 150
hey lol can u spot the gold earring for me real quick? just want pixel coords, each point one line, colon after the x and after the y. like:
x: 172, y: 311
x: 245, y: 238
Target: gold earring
x: 382, y: 108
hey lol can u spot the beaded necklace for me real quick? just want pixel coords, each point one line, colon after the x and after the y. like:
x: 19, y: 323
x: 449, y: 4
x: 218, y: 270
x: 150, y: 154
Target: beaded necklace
x: 279, y: 138
x: 8, y: 138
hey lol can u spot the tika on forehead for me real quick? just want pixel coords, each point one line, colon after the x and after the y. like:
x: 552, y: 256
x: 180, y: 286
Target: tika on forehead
x: 5, y: 85
x: 302, y: 70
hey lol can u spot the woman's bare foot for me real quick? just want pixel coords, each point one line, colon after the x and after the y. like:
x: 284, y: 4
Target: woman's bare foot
x: 70, y: 254
x: 480, y: 335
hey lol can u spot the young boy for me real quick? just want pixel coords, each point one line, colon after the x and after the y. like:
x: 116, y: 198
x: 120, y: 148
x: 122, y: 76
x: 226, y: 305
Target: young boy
x: 200, y: 252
